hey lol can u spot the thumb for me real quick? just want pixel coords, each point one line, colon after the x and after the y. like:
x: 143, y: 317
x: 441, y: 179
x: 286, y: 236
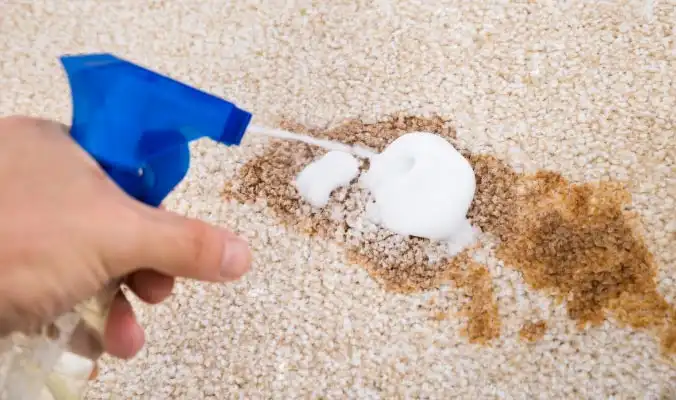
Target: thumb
x: 178, y: 246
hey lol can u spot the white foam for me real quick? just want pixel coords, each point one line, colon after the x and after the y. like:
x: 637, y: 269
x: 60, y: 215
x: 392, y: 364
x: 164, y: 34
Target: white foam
x: 321, y: 177
x: 422, y: 186
x: 464, y: 235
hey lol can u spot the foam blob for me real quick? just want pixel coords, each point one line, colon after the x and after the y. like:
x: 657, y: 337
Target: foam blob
x: 422, y: 186
x: 321, y: 177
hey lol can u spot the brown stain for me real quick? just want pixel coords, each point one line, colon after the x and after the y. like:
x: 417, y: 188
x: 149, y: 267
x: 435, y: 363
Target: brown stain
x: 481, y: 307
x: 576, y: 241
x: 668, y: 339
x: 483, y: 319
x: 401, y: 267
x: 439, y: 316
x: 533, y: 331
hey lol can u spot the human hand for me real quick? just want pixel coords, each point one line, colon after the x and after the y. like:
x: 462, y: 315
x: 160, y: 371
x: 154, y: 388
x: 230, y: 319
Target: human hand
x: 66, y: 230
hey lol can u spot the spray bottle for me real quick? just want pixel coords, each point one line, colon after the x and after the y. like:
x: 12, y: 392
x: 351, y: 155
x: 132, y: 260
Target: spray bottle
x: 137, y: 125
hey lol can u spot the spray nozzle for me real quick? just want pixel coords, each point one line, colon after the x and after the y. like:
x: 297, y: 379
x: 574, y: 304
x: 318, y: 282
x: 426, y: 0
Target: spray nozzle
x: 137, y: 123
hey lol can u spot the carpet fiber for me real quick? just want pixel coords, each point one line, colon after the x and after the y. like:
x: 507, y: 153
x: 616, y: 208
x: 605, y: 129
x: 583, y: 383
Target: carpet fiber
x: 565, y: 110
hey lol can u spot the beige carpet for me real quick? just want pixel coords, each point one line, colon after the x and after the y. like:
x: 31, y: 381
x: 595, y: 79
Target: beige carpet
x: 335, y: 308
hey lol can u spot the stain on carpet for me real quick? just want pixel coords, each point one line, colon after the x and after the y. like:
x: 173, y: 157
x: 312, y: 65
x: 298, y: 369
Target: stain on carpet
x: 399, y: 263
x: 483, y: 319
x: 577, y: 242
x: 481, y: 309
x: 532, y: 331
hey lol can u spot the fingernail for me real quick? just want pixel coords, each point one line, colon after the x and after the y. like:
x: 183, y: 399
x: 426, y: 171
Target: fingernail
x: 236, y: 258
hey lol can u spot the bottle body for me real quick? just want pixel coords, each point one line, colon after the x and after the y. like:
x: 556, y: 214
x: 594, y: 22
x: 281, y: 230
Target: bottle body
x: 57, y: 363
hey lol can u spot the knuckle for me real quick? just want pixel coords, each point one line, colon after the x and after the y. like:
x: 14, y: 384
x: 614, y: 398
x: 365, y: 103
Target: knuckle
x: 22, y: 121
x: 199, y: 242
x: 15, y: 122
x: 32, y: 124
x: 17, y: 318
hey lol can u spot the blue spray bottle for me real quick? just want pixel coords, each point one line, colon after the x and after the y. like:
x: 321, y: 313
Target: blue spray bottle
x: 137, y: 124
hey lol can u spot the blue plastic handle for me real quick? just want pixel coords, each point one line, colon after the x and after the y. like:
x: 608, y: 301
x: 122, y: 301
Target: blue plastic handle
x: 137, y: 123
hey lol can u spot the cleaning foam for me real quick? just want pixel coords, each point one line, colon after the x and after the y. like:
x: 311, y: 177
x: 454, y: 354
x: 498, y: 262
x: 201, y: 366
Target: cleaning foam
x: 421, y: 186
x: 321, y: 177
